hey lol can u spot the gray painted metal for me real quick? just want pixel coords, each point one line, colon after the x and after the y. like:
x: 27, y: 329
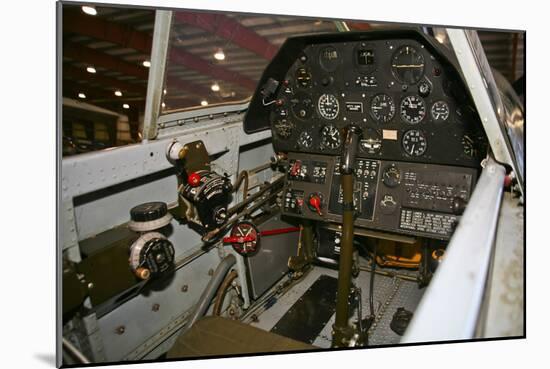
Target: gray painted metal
x: 211, y: 289
x: 458, y: 285
x: 93, y: 171
x: 270, y: 263
x: 504, y: 303
x: 145, y: 328
x: 74, y: 352
x: 473, y: 63
x: 159, y: 53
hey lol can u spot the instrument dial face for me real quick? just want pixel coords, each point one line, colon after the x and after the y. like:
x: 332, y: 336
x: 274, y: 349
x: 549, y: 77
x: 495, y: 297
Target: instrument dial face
x: 413, y: 109
x: 305, y: 140
x: 407, y: 65
x: 303, y: 78
x: 382, y: 108
x: 330, y: 137
x: 302, y: 105
x: 440, y: 111
x: 391, y: 176
x: 329, y: 59
x: 283, y: 128
x: 414, y: 142
x: 328, y: 106
x: 371, y: 142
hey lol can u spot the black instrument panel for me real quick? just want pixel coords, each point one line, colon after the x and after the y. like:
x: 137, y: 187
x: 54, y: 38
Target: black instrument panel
x: 421, y: 138
x: 409, y: 198
x: 409, y: 105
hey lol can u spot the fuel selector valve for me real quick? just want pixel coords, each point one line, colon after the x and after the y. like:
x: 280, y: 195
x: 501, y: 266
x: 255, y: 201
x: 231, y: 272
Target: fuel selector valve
x: 151, y: 254
x: 315, y: 203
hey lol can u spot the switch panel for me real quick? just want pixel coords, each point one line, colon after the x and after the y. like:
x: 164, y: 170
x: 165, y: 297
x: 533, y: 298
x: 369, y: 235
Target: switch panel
x: 400, y: 197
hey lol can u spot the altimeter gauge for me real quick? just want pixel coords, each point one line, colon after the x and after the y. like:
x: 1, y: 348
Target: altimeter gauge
x: 328, y: 106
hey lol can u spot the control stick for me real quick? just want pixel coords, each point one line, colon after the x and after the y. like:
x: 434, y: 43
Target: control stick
x: 342, y: 332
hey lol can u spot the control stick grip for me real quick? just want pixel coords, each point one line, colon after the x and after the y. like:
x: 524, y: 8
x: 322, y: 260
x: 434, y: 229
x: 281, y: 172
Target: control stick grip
x: 349, y: 153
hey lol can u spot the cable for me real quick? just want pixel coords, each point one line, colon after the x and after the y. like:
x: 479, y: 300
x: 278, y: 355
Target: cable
x: 242, y: 176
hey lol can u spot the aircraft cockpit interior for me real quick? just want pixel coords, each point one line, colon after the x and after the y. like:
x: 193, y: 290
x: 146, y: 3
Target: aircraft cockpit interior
x: 367, y: 189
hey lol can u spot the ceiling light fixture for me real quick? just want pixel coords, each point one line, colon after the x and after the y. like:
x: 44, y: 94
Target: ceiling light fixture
x: 204, y: 102
x: 219, y: 55
x: 90, y: 10
x: 90, y: 70
x: 146, y: 63
x: 81, y: 95
x: 164, y: 91
x: 118, y: 93
x: 126, y: 106
x: 215, y: 87
x: 163, y: 105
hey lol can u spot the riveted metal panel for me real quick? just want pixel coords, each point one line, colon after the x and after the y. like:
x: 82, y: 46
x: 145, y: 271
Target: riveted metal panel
x: 138, y: 316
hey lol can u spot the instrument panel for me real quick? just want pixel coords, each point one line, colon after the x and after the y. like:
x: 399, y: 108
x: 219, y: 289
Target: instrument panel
x: 409, y: 198
x: 421, y: 140
x: 407, y: 103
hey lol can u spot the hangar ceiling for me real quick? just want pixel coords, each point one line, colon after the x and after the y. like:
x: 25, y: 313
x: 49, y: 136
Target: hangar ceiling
x: 116, y: 44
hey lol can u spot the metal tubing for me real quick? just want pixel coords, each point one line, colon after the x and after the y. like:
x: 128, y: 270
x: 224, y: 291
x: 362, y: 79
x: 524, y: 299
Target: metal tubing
x: 450, y: 307
x: 341, y: 325
x: 159, y: 52
x: 74, y: 352
x: 211, y: 289
x: 220, y: 296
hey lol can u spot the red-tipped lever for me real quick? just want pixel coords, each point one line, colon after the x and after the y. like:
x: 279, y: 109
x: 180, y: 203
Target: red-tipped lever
x: 194, y: 179
x: 315, y: 202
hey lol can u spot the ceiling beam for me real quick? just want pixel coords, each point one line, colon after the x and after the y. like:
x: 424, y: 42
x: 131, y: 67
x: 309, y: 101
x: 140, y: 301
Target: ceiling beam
x: 141, y: 41
x: 204, y: 67
x: 229, y: 29
x: 101, y: 59
x: 108, y: 82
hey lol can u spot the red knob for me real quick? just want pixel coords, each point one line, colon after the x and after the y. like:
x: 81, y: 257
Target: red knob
x: 194, y: 179
x: 315, y: 202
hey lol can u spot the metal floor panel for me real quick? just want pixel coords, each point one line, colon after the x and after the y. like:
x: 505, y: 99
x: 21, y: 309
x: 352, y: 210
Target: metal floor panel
x: 307, y: 317
x: 389, y: 294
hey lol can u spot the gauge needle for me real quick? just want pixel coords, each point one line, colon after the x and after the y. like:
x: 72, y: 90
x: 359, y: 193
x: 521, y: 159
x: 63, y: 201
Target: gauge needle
x: 412, y: 150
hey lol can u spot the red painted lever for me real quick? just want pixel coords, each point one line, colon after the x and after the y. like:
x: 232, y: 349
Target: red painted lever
x: 239, y: 239
x: 250, y: 238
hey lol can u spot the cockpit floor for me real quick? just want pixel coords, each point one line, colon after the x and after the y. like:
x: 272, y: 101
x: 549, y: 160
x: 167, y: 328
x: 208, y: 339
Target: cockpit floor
x: 390, y: 293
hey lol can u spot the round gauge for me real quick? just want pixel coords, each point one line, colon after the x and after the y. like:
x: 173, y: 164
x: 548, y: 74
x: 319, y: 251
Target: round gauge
x: 303, y: 77
x: 330, y: 137
x: 329, y: 59
x: 328, y: 106
x: 391, y: 176
x: 305, y: 140
x: 468, y: 146
x: 413, y: 109
x: 407, y: 65
x: 301, y: 105
x: 414, y: 142
x: 440, y: 111
x: 371, y: 142
x: 283, y: 128
x: 382, y: 108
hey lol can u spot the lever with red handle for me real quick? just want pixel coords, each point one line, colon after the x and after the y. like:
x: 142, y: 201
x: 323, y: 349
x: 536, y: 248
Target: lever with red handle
x: 252, y: 237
